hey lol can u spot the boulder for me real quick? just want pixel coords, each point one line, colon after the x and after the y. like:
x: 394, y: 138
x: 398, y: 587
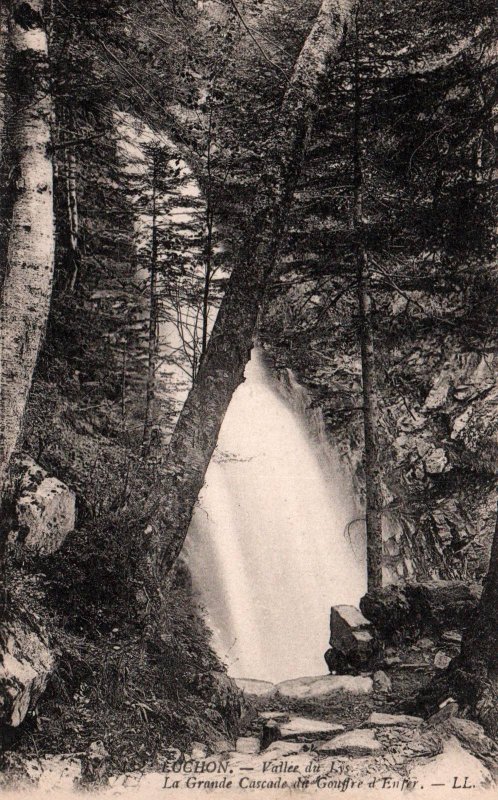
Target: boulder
x: 45, y: 509
x: 389, y: 611
x: 382, y: 682
x: 414, y: 609
x: 351, y: 639
x: 442, y: 660
x: 25, y: 666
x: 356, y: 743
x: 325, y: 686
x: 440, y: 605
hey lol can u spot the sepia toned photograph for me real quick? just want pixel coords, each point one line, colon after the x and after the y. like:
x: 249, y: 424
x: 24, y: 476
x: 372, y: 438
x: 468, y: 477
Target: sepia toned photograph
x: 248, y: 399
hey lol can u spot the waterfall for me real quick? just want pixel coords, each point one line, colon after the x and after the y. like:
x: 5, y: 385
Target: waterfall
x: 268, y: 548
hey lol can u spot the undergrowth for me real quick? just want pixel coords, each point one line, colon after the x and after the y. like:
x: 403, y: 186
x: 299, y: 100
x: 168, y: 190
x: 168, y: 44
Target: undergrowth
x: 134, y: 670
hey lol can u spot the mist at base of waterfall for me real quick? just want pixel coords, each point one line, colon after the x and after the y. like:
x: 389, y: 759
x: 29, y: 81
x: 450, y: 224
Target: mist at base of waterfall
x: 268, y: 548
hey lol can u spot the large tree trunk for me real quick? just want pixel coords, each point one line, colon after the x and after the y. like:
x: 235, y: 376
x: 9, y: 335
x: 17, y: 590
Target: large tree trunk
x: 472, y: 677
x: 368, y: 370
x: 30, y: 254
x: 475, y: 671
x: 222, y: 368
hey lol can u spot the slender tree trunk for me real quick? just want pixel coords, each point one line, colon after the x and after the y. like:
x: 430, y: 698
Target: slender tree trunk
x: 71, y: 169
x: 195, y: 435
x: 123, y: 381
x: 209, y: 248
x: 153, y: 323
x: 368, y: 370
x: 4, y: 111
x: 3, y: 57
x: 207, y: 284
x: 27, y: 286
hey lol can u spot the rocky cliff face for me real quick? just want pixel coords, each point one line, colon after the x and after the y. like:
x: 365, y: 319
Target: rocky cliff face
x: 439, y: 439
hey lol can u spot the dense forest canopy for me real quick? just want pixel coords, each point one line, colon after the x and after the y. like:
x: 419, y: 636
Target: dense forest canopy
x: 320, y: 174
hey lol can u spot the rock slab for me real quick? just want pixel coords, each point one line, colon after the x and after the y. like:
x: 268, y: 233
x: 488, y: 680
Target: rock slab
x: 25, y: 666
x: 298, y: 729
x: 356, y: 743
x: 325, y: 686
x: 378, y: 720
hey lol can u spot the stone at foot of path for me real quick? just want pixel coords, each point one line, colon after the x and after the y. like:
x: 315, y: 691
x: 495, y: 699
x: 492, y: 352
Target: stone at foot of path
x: 377, y: 720
x: 254, y: 687
x: 248, y: 745
x: 303, y: 729
x: 325, y: 685
x: 282, y: 749
x: 357, y: 743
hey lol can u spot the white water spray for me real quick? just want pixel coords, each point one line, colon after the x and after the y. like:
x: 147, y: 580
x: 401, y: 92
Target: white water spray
x: 267, y: 547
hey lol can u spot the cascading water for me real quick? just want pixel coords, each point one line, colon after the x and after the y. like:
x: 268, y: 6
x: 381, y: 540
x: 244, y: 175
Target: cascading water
x: 267, y: 547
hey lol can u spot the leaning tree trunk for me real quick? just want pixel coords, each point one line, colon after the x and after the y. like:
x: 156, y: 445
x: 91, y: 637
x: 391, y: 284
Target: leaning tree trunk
x: 373, y: 487
x: 27, y: 286
x: 222, y: 368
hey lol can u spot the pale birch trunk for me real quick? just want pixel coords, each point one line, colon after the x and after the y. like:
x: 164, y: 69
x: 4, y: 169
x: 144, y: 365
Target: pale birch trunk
x: 30, y: 255
x: 193, y: 441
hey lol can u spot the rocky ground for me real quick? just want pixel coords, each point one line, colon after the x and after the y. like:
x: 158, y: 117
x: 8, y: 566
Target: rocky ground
x: 309, y: 735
